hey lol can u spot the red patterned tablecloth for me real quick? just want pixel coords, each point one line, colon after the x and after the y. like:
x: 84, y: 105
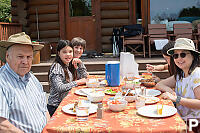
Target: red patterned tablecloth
x: 127, y: 121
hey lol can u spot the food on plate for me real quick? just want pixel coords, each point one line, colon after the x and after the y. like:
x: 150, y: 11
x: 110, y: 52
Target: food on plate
x: 129, y: 94
x: 147, y: 75
x: 75, y: 105
x: 148, y: 82
x: 159, y: 109
x: 111, y: 91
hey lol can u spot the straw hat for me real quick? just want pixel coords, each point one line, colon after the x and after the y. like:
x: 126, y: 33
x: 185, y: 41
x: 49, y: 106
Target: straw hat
x: 19, y: 38
x: 183, y: 44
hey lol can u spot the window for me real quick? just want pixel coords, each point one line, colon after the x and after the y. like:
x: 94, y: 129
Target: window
x: 80, y: 8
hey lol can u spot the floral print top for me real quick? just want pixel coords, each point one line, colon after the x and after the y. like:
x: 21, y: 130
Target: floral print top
x: 185, y: 88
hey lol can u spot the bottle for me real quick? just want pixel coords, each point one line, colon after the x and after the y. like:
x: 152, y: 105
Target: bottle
x: 100, y: 111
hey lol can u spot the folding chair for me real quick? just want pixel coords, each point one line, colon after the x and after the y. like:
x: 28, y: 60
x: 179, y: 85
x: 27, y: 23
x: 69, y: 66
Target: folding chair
x: 133, y: 35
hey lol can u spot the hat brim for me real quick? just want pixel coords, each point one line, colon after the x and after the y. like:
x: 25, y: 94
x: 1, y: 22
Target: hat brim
x: 5, y: 44
x: 171, y: 51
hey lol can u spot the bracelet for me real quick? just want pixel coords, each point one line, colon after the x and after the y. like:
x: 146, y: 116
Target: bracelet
x: 178, y: 99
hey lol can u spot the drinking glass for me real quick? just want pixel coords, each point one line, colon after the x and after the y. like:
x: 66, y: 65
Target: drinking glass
x: 82, y: 110
x: 140, y: 102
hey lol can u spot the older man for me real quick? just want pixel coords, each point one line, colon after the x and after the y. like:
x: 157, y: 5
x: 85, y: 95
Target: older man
x: 23, y: 102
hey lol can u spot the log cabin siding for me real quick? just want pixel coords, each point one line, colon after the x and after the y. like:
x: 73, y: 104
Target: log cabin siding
x: 48, y: 18
x: 114, y: 13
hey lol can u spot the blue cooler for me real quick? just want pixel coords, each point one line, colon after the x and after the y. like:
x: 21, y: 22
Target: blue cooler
x: 112, y: 73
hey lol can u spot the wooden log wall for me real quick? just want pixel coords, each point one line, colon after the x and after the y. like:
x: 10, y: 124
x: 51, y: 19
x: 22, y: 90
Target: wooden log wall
x: 19, y: 13
x: 114, y: 13
x: 45, y: 11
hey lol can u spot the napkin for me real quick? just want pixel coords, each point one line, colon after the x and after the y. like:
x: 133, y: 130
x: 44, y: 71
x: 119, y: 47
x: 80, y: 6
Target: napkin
x: 159, y: 44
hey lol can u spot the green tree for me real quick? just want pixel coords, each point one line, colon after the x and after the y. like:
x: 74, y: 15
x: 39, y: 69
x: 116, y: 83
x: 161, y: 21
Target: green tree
x: 5, y: 10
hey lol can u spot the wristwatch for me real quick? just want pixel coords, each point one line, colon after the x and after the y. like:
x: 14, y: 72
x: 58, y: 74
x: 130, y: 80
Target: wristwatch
x: 178, y: 99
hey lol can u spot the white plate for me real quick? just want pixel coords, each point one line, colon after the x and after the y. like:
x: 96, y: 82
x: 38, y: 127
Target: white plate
x: 152, y: 92
x: 66, y: 109
x: 151, y: 111
x: 151, y: 100
x: 86, y: 91
x: 149, y: 92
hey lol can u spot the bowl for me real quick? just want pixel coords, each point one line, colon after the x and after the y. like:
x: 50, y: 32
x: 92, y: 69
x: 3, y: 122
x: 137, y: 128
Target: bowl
x: 117, y: 105
x: 130, y: 97
x: 96, y: 96
x: 148, y: 82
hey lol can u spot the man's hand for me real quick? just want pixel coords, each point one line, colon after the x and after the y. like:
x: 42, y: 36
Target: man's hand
x: 7, y: 127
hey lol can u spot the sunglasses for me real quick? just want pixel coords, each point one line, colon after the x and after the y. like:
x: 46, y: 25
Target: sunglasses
x: 182, y: 55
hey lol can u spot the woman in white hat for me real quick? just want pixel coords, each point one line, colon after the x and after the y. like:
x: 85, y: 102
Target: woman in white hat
x: 186, y: 80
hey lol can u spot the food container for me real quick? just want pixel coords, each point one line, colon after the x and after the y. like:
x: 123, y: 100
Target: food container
x: 117, y: 105
x: 92, y: 83
x: 96, y: 96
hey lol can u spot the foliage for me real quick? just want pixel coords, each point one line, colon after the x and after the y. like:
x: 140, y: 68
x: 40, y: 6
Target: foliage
x: 190, y: 12
x: 5, y: 10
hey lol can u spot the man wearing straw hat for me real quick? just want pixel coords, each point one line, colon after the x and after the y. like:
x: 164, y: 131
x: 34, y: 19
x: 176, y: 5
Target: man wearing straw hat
x: 23, y: 102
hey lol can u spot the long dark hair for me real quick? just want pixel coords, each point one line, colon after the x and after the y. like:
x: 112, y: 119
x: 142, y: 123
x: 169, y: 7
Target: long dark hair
x: 195, y: 63
x: 61, y: 45
x: 171, y: 67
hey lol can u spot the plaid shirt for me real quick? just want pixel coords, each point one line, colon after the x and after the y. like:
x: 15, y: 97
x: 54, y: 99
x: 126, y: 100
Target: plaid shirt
x: 23, y: 102
x: 59, y: 87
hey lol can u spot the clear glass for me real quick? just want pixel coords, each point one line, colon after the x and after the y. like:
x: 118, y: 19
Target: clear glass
x: 139, y: 102
x: 82, y: 110
x: 82, y: 113
x: 80, y: 8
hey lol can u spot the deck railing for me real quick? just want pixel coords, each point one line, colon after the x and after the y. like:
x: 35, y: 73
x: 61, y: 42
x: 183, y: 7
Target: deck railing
x: 7, y: 29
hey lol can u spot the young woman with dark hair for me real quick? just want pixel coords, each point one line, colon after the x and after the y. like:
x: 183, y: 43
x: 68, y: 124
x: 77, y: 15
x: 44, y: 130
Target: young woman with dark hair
x: 63, y: 75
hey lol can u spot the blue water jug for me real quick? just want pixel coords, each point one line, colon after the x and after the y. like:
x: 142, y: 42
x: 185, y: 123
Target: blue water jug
x: 112, y: 73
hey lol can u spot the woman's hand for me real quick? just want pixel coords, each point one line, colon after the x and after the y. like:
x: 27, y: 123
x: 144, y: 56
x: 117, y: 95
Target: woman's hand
x: 75, y: 62
x: 169, y: 96
x: 81, y: 81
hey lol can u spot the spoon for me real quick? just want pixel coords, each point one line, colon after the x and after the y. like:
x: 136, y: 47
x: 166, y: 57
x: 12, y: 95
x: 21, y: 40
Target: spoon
x: 126, y: 93
x: 83, y: 92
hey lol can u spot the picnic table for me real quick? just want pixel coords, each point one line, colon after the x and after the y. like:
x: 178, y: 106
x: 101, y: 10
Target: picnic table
x: 125, y: 121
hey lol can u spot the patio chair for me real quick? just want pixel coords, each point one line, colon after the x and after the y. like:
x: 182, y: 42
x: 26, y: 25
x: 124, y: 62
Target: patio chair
x: 133, y: 38
x: 156, y: 32
x: 184, y: 31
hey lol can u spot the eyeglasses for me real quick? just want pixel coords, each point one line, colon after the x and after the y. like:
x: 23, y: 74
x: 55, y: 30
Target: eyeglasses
x: 182, y: 55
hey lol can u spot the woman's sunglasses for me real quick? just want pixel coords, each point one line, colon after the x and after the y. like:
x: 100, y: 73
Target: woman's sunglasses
x: 182, y: 55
